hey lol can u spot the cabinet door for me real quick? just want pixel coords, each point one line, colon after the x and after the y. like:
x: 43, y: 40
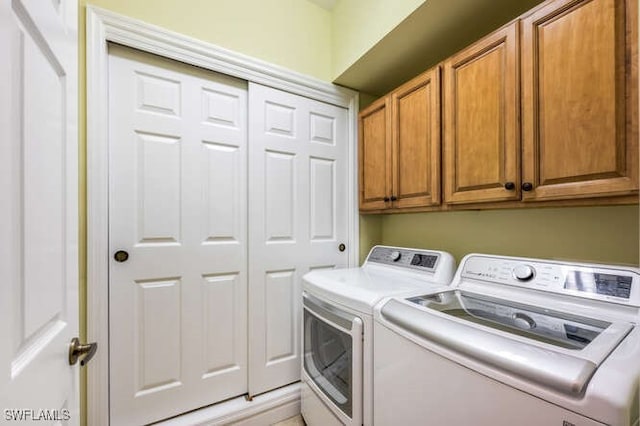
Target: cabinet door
x: 579, y: 70
x: 481, y: 131
x: 375, y: 155
x: 416, y: 141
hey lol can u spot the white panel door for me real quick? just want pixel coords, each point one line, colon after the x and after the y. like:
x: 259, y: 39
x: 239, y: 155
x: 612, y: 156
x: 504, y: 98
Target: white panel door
x: 177, y: 206
x: 38, y: 211
x: 298, y: 212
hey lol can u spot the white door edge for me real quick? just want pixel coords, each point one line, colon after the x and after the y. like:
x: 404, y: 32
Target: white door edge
x: 104, y: 27
x: 39, y: 215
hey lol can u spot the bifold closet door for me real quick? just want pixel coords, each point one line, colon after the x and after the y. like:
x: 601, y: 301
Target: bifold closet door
x: 177, y: 207
x: 298, y: 211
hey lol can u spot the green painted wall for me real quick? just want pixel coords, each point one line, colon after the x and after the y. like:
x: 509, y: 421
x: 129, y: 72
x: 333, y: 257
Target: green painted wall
x: 357, y: 25
x: 370, y: 233
x: 600, y: 234
x: 418, y: 39
x: 294, y: 34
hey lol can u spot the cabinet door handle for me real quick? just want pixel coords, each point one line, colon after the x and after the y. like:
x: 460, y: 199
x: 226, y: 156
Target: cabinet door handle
x: 394, y: 198
x: 509, y: 186
x: 386, y: 199
x: 527, y: 186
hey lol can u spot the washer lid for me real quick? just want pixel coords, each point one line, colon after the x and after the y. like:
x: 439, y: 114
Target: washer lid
x: 554, y: 349
x: 362, y: 288
x: 554, y: 328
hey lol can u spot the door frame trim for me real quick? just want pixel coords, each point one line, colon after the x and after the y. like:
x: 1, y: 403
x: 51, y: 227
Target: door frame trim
x: 102, y: 27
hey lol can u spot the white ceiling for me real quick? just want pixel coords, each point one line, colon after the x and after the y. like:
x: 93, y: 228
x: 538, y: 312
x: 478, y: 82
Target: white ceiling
x: 325, y: 4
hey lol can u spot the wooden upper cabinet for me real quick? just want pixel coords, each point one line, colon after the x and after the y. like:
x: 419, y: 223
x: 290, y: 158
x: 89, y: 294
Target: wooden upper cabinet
x: 374, y: 154
x: 543, y: 109
x: 580, y: 116
x: 399, y: 147
x: 416, y: 141
x: 481, y: 135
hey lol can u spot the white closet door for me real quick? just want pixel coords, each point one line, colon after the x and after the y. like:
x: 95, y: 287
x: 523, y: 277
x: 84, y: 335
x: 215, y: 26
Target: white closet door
x: 297, y: 219
x: 38, y: 211
x: 177, y: 206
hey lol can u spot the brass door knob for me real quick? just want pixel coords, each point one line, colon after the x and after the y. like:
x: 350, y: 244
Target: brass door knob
x: 121, y: 256
x: 77, y: 350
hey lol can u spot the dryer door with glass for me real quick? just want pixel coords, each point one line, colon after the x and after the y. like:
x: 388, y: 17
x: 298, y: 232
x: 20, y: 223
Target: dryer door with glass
x: 332, y: 363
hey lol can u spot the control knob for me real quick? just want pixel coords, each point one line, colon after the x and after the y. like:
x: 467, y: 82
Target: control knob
x: 523, y: 272
x: 395, y: 255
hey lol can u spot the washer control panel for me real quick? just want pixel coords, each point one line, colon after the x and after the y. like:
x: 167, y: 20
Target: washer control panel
x: 407, y: 258
x: 620, y: 284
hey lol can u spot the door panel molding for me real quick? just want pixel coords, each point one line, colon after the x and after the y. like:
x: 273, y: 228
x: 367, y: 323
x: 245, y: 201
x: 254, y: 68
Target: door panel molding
x: 104, y: 27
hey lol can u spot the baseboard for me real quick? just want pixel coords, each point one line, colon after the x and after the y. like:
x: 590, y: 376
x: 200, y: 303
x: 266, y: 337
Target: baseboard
x: 265, y: 409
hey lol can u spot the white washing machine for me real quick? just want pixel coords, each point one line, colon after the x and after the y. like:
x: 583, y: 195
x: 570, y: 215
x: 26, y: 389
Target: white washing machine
x: 512, y: 341
x: 337, y: 332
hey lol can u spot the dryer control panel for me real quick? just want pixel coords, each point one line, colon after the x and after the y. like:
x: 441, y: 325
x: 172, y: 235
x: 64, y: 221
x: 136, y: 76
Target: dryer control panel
x: 408, y: 258
x: 594, y: 281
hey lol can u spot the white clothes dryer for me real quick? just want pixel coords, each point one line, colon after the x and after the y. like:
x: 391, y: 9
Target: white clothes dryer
x: 337, y: 332
x: 512, y: 341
